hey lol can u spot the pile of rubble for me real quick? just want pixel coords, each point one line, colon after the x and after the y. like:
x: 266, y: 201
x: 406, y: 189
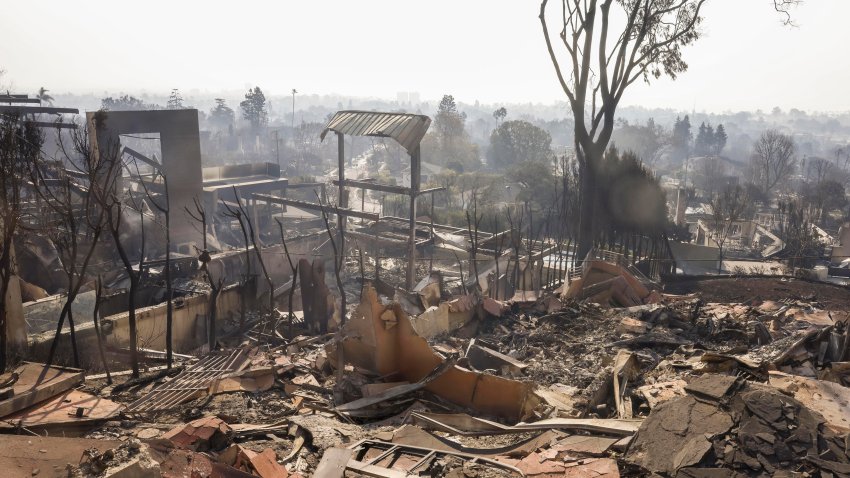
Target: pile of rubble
x: 741, y: 427
x: 426, y: 382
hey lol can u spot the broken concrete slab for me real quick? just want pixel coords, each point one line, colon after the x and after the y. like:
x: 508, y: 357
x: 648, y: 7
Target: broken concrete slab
x: 660, y: 392
x: 595, y: 467
x: 27, y: 456
x: 827, y: 398
x: 66, y: 411
x: 712, y: 387
x: 755, y: 428
x: 131, y: 459
x: 36, y: 383
x: 585, y: 445
x: 671, y: 425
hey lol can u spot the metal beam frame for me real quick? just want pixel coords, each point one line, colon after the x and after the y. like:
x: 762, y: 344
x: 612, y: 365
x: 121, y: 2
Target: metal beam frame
x: 141, y: 157
x: 12, y: 99
x: 415, y: 178
x: 340, y: 211
x: 409, y: 137
x: 305, y: 185
x: 431, y: 191
x: 387, y: 188
x: 47, y: 124
x: 37, y: 109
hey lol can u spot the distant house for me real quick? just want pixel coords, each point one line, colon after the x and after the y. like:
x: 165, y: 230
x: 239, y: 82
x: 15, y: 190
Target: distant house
x: 427, y: 172
x: 743, y: 235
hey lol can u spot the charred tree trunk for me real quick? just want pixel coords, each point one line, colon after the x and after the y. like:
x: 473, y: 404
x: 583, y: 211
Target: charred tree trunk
x: 587, y: 194
x: 96, y: 322
x: 5, y: 277
x: 169, y: 293
x: 73, y: 337
x: 131, y: 318
x: 213, y: 311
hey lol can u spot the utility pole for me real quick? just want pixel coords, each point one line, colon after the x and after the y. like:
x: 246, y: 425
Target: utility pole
x: 293, y: 115
x: 277, y: 148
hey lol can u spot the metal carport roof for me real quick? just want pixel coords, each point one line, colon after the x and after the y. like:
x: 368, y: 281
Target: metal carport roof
x: 408, y: 129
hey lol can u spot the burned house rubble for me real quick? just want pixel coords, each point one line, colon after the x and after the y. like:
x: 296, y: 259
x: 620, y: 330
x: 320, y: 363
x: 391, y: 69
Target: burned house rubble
x: 171, y: 318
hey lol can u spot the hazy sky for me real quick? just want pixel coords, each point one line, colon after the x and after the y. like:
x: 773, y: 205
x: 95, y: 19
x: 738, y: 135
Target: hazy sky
x: 486, y: 50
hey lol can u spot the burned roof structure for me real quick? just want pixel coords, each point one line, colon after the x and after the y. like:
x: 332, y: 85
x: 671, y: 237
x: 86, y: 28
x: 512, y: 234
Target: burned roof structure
x: 407, y: 129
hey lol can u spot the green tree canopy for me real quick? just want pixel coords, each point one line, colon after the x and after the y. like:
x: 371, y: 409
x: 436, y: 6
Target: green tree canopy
x: 500, y: 114
x: 720, y: 138
x: 646, y: 141
x: 681, y: 137
x: 537, y: 182
x: 448, y: 123
x: 254, y: 108
x: 221, y: 116
x: 175, y: 100
x: 126, y: 103
x: 448, y: 142
x: 519, y: 141
x: 44, y: 97
x: 632, y: 199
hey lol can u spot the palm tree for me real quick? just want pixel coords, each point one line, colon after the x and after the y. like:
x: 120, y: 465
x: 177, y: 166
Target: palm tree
x: 44, y: 97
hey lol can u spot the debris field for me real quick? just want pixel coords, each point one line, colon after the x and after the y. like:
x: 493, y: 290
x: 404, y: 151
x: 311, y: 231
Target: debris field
x: 463, y: 385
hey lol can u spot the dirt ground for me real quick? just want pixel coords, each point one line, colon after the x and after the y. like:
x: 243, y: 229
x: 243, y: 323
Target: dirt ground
x: 744, y: 289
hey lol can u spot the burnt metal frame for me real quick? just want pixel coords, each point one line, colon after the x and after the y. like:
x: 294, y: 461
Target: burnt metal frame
x: 364, y: 128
